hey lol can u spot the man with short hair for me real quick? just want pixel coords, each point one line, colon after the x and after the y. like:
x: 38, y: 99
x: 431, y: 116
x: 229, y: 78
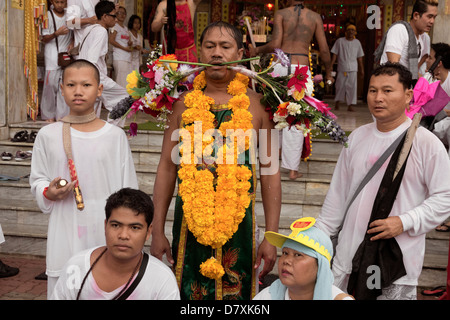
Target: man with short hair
x: 232, y: 203
x: 94, y: 48
x: 349, y: 54
x: 390, y: 215
x: 405, y: 42
x: 120, y: 270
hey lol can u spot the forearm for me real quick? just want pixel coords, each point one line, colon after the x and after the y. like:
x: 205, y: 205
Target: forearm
x: 162, y: 196
x: 271, y: 197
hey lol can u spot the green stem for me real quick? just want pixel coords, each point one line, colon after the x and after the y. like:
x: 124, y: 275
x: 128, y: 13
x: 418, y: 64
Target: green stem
x: 186, y: 62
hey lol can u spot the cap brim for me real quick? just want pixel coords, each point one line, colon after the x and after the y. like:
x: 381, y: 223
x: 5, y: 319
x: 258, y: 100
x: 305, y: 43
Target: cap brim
x: 275, y: 239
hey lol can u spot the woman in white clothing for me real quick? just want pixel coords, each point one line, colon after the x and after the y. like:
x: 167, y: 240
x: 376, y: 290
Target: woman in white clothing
x: 137, y: 41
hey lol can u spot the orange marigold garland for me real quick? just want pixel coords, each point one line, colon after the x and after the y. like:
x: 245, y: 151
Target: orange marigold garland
x: 213, y: 214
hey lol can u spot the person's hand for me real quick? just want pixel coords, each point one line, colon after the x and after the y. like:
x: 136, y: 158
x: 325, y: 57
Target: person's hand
x: 160, y: 246
x: 55, y: 194
x: 268, y: 253
x: 93, y: 20
x: 62, y: 30
x: 329, y: 80
x: 252, y: 51
x: 386, y: 228
x: 165, y: 19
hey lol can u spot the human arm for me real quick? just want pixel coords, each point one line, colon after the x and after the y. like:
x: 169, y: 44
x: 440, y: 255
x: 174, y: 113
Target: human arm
x: 164, y: 186
x: 435, y: 208
x: 113, y: 42
x: 270, y: 180
x: 323, y: 49
x: 61, y: 31
x: 160, y: 18
x: 277, y: 38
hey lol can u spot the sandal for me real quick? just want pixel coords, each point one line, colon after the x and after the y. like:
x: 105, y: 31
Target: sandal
x: 6, y: 156
x: 444, y: 227
x: 21, y: 136
x: 32, y: 136
x: 438, y: 291
x: 23, y: 155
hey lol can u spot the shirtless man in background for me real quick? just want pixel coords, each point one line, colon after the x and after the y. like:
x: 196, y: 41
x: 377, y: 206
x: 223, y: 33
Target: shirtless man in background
x: 293, y: 31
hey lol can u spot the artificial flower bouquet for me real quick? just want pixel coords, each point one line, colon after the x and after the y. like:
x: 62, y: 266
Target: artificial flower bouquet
x: 290, y: 102
x: 154, y: 90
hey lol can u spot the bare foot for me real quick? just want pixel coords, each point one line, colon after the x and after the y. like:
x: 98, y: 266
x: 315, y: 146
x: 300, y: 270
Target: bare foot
x: 294, y: 175
x: 350, y: 108
x: 50, y: 120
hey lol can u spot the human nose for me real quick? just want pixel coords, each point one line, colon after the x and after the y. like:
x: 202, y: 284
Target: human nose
x: 123, y: 234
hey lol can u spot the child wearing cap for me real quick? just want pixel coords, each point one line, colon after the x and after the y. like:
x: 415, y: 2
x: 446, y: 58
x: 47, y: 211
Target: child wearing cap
x: 304, y: 266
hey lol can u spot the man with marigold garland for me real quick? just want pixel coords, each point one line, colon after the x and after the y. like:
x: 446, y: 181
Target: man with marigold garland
x: 215, y: 249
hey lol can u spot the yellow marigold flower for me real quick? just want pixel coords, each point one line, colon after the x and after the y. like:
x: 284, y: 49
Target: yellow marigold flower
x: 200, y: 81
x: 133, y: 80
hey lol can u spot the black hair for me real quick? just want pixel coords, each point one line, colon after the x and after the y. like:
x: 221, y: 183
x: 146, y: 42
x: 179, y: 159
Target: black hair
x: 421, y: 6
x: 390, y: 69
x: 131, y: 21
x: 136, y: 200
x: 171, y: 31
x: 443, y: 50
x: 80, y: 63
x: 104, y: 7
x: 233, y: 31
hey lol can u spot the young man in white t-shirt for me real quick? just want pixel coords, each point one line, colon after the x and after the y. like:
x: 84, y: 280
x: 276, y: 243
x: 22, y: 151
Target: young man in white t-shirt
x: 94, y: 48
x: 53, y: 106
x: 397, y: 39
x: 119, y: 38
x: 107, y: 272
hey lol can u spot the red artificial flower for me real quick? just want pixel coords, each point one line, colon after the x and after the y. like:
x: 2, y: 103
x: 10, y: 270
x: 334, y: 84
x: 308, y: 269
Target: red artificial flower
x: 150, y: 76
x: 299, y: 78
x: 164, y: 100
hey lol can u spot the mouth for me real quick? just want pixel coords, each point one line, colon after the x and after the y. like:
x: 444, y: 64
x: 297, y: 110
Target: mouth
x: 78, y: 101
x: 285, y: 273
x: 122, y: 247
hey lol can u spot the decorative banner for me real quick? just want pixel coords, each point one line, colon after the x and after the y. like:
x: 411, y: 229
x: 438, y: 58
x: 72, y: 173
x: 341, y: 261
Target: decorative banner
x: 35, y: 20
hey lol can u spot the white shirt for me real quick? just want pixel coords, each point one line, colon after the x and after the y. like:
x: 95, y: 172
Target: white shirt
x: 446, y: 86
x: 397, y: 41
x: 265, y: 294
x: 50, y: 51
x: 95, y: 47
x: 422, y: 203
x: 104, y: 165
x: 136, y: 55
x: 122, y: 38
x: 2, y: 238
x: 347, y: 54
x: 79, y: 9
x: 158, y: 282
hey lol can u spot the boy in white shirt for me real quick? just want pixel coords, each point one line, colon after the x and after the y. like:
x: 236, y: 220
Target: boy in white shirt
x: 101, y: 155
x: 120, y: 270
x: 52, y: 103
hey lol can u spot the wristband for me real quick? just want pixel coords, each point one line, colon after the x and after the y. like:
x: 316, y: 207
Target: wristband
x: 45, y: 194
